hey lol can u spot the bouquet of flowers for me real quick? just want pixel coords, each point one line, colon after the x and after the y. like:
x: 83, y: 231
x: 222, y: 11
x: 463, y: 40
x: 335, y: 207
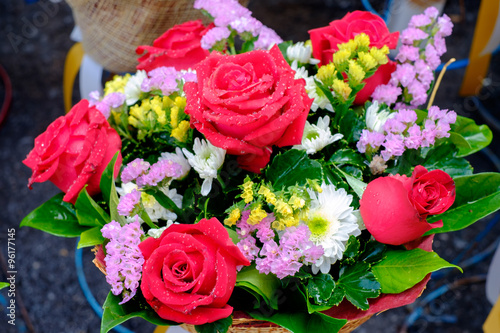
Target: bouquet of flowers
x: 238, y: 180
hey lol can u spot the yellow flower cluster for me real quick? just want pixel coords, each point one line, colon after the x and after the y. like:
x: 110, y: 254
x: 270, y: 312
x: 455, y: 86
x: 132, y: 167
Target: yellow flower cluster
x: 161, y: 113
x: 357, y: 60
x: 117, y: 84
x: 233, y: 217
x: 247, y: 194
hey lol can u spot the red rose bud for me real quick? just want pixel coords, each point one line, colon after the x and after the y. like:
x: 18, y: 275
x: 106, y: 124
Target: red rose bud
x: 74, y: 151
x: 394, y: 208
x: 325, y: 40
x: 178, y: 47
x: 247, y: 103
x: 190, y: 271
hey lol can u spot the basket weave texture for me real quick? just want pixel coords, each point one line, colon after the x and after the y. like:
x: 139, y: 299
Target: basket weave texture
x: 249, y: 325
x: 113, y: 29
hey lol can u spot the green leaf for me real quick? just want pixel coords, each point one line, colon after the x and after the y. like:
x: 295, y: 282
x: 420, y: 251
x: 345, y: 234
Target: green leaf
x: 4, y: 285
x: 91, y: 237
x: 108, y: 178
x: 476, y: 197
x: 444, y: 157
x: 351, y: 126
x: 402, y: 269
x: 357, y: 185
x: 233, y: 235
x: 347, y: 156
x: 301, y: 322
x: 293, y: 168
x: 469, y: 137
x: 359, y: 284
x: 320, y: 288
x: 352, y: 248
x: 219, y: 326
x: 374, y: 252
x: 55, y: 217
x: 88, y: 212
x: 115, y: 314
x: 264, y: 285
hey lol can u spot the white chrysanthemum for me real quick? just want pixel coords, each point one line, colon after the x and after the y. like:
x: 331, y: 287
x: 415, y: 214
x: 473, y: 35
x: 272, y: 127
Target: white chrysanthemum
x: 177, y: 157
x: 126, y: 188
x: 300, y: 72
x: 319, y: 99
x: 206, y: 160
x: 133, y: 87
x: 331, y: 221
x: 156, y: 233
x: 376, y: 118
x: 301, y: 53
x: 317, y: 137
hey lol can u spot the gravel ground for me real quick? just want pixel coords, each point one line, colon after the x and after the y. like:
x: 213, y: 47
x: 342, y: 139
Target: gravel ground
x: 34, y: 40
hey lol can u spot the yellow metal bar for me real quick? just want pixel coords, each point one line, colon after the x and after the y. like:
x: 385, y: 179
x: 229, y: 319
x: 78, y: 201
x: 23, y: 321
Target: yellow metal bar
x: 71, y: 68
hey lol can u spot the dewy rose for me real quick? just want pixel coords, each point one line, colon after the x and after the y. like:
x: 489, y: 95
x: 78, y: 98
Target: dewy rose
x: 190, y: 271
x: 74, y: 151
x: 325, y: 40
x: 394, y: 208
x: 247, y: 103
x: 178, y: 47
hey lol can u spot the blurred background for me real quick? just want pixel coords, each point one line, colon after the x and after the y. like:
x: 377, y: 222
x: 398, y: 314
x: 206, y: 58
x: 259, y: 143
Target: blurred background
x: 34, y: 43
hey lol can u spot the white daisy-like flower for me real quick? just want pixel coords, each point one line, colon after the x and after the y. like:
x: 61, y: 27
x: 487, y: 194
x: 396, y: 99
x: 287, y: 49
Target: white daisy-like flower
x: 300, y: 72
x: 206, y: 160
x: 156, y: 233
x: 331, y: 221
x: 177, y: 157
x: 376, y: 118
x: 318, y: 97
x: 133, y: 87
x: 301, y: 53
x: 317, y: 137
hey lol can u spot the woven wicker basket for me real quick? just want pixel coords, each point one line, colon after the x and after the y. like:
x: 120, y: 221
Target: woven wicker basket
x: 112, y: 29
x: 249, y: 325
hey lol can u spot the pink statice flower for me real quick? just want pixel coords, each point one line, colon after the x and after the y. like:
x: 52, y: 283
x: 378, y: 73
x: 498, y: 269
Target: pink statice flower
x: 123, y: 259
x: 213, y: 36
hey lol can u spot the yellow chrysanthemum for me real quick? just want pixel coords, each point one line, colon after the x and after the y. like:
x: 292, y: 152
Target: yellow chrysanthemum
x: 367, y: 60
x: 247, y: 194
x: 117, y: 84
x: 233, y: 217
x: 256, y: 215
x: 341, y: 88
x: 362, y: 40
x: 341, y: 56
x: 180, y: 132
x: 356, y: 72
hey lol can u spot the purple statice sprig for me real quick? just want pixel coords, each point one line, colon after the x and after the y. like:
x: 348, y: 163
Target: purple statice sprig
x: 423, y: 44
x: 282, y: 254
x: 402, y: 132
x: 142, y: 173
x: 110, y: 101
x: 123, y: 259
x: 166, y: 80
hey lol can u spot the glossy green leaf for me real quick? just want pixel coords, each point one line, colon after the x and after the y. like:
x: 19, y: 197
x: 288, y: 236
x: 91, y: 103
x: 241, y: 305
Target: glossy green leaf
x: 359, y: 284
x: 476, y: 197
x: 108, y: 178
x: 4, y: 285
x: 219, y: 326
x: 402, y: 269
x: 303, y: 322
x: 91, y: 237
x: 469, y: 137
x: 357, y: 185
x: 320, y: 287
x: 115, y: 314
x: 293, y: 168
x: 55, y: 217
x: 88, y: 212
x: 444, y: 157
x: 347, y: 156
x: 264, y: 285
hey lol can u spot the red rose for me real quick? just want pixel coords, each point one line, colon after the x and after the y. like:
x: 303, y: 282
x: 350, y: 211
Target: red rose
x: 247, y: 103
x: 178, y: 47
x: 190, y: 271
x: 394, y: 208
x: 325, y: 40
x: 74, y: 151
